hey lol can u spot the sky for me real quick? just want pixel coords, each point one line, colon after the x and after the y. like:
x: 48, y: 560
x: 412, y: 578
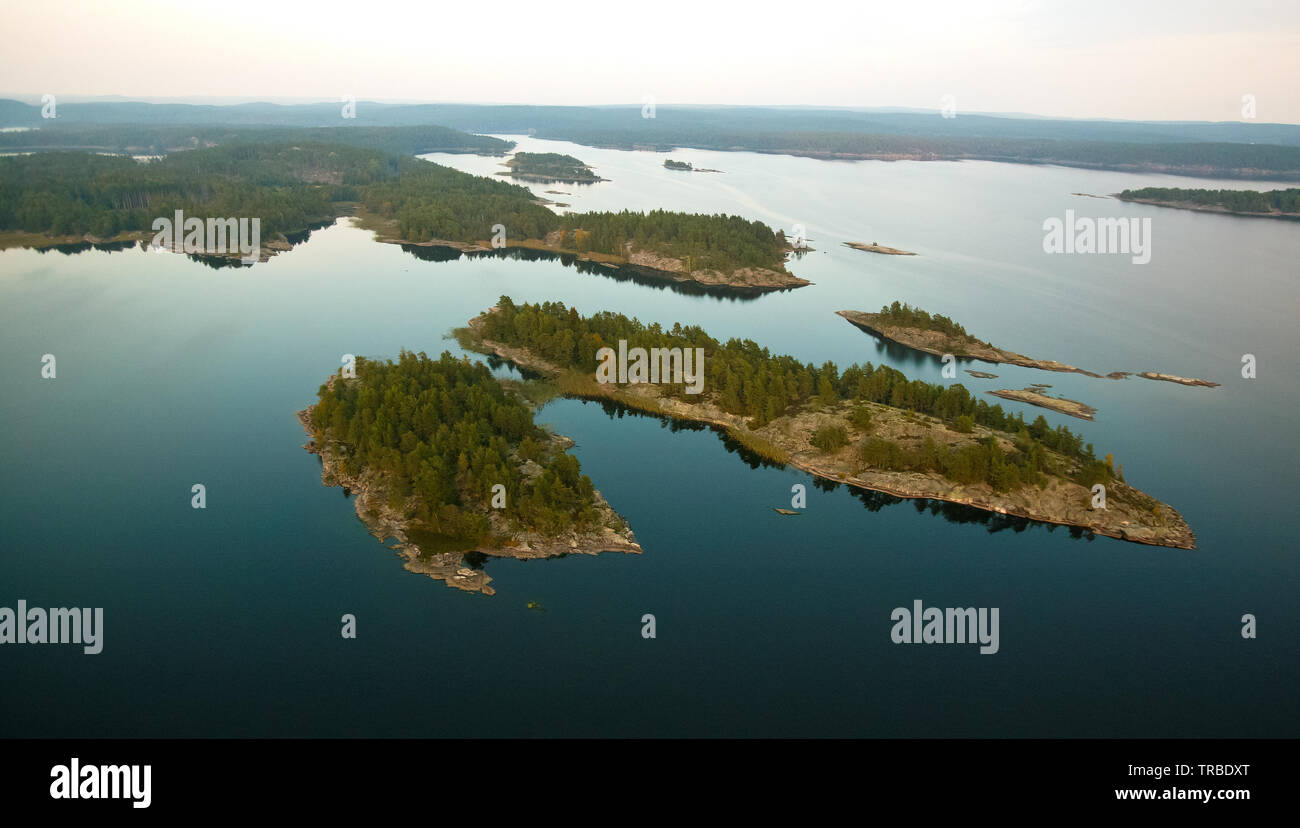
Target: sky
x: 1129, y: 59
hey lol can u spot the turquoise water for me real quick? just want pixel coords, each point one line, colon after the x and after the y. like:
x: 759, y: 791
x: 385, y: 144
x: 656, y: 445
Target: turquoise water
x: 225, y: 621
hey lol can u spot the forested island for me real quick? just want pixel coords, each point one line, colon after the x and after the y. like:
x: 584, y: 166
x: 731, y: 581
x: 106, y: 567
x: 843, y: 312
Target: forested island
x: 678, y: 165
x: 548, y: 167
x: 1271, y: 204
x: 446, y: 459
x: 1236, y: 150
x: 867, y: 426
x: 54, y: 198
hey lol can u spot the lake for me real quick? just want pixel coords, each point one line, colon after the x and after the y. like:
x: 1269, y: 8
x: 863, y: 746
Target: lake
x: 225, y: 621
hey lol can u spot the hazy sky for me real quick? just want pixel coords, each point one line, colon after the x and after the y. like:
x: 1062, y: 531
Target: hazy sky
x: 1164, y: 59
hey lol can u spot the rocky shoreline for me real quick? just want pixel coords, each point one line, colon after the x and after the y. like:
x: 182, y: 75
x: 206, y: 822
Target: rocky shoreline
x: 1152, y: 375
x: 370, y: 498
x: 1033, y: 396
x: 1063, y: 502
x: 938, y: 343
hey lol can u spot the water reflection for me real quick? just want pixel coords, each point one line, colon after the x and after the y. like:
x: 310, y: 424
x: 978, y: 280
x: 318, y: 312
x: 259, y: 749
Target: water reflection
x: 873, y: 500
x: 619, y: 273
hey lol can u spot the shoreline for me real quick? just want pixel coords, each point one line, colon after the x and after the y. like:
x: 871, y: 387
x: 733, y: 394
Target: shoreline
x: 1061, y: 405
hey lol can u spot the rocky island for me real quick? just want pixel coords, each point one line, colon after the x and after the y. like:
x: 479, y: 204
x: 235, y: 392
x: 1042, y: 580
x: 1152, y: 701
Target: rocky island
x: 865, y: 426
x: 412, y: 444
x: 938, y: 335
x: 550, y: 167
x: 1034, y: 396
x: 1152, y: 375
x: 685, y: 166
x: 878, y: 248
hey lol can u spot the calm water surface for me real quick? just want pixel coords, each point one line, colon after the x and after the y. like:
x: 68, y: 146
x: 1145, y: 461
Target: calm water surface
x: 225, y: 621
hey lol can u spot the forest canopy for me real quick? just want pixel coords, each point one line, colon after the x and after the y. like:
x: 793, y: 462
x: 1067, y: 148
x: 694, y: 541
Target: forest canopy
x: 743, y: 378
x: 441, y: 433
x: 1238, y: 201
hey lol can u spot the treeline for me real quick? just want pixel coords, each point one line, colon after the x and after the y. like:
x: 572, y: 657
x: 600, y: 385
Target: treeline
x: 289, y: 188
x: 553, y: 164
x: 144, y: 139
x: 906, y: 316
x: 743, y: 378
x: 442, y: 433
x: 430, y: 201
x: 719, y: 242
x: 1241, y: 201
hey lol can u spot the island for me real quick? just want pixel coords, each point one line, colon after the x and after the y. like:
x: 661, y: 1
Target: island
x: 1152, y: 375
x: 1283, y: 204
x: 877, y: 248
x: 715, y: 251
x: 548, y: 167
x: 1034, y: 396
x: 446, y: 459
x: 865, y: 426
x: 938, y: 335
x: 685, y: 166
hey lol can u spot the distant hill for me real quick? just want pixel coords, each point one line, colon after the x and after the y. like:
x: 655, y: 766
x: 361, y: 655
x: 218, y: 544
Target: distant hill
x: 1229, y: 149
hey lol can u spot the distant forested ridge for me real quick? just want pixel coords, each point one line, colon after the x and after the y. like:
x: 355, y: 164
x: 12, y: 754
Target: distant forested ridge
x: 145, y: 139
x: 1235, y: 201
x: 440, y: 434
x: 744, y: 378
x: 1235, y: 149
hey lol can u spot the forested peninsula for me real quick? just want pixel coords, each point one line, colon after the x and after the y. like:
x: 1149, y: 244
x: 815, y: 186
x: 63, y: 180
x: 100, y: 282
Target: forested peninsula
x: 446, y: 459
x: 1284, y: 204
x: 64, y: 197
x: 867, y: 426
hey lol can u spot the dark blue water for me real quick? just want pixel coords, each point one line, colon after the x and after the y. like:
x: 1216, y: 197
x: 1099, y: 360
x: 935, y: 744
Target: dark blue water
x: 225, y: 621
